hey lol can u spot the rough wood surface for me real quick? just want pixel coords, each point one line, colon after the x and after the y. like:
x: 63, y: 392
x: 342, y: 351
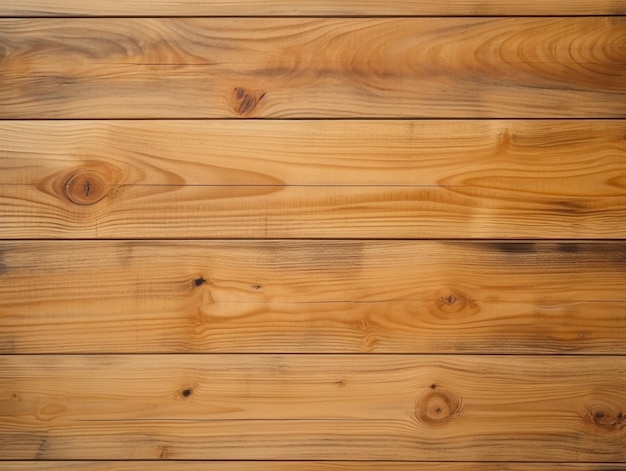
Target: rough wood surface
x: 440, y: 408
x: 34, y: 8
x: 312, y: 296
x: 299, y: 466
x: 341, y: 67
x: 378, y: 179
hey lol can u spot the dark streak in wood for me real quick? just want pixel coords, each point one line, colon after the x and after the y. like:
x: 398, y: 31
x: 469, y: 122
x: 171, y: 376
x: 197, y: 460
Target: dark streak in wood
x: 3, y: 266
x: 515, y: 248
x: 41, y: 449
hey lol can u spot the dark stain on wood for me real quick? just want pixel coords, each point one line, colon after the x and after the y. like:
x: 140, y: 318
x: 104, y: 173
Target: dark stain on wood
x: 42, y: 449
x: 515, y: 248
x: 568, y: 247
x: 3, y: 266
x: 245, y: 101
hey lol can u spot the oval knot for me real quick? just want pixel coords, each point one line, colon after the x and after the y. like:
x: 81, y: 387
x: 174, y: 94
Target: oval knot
x: 86, y: 187
x: 438, y: 406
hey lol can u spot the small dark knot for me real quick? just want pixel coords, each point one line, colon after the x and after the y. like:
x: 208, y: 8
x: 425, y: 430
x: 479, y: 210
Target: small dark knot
x: 450, y: 299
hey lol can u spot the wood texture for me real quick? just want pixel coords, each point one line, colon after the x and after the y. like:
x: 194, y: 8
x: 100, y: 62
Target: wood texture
x: 207, y: 179
x: 35, y: 8
x: 287, y: 68
x: 308, y: 296
x: 299, y: 466
x: 411, y: 262
x: 306, y: 406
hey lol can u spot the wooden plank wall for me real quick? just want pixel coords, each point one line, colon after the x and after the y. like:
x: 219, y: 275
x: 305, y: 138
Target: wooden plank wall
x: 315, y: 235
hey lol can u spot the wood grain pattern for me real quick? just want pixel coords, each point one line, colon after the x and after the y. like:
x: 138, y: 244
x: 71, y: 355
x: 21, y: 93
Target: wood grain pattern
x: 299, y: 466
x: 312, y: 296
x: 464, y: 309
x: 306, y: 406
x: 35, y: 8
x: 234, y: 67
x: 207, y: 179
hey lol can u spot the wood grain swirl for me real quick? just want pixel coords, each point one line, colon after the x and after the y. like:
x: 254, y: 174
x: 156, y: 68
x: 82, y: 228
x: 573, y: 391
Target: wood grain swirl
x: 287, y: 68
x: 304, y: 406
x: 312, y: 296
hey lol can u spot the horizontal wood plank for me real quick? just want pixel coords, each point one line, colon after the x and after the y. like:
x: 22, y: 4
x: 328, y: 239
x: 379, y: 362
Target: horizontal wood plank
x: 312, y: 296
x: 439, y: 408
x: 387, y: 179
x: 288, y: 68
x: 35, y: 8
x: 171, y: 465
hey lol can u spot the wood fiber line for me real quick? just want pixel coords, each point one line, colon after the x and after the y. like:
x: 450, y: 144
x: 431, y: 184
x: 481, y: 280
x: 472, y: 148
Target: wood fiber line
x: 376, y: 407
x: 324, y: 68
x: 312, y: 296
x: 299, y: 466
x: 376, y: 179
x: 310, y: 7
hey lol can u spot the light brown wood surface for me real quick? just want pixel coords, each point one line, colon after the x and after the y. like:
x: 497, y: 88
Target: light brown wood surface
x: 35, y: 8
x: 378, y: 179
x: 323, y: 68
x: 299, y: 466
x: 312, y: 296
x: 304, y: 406
x: 313, y: 236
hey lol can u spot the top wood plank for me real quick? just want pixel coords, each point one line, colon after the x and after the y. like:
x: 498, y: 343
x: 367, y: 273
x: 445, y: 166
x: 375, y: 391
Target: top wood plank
x: 317, y: 68
x: 180, y: 465
x: 34, y: 8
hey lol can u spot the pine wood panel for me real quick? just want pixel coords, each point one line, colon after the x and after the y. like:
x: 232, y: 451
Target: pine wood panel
x: 342, y: 67
x: 312, y: 296
x: 203, y: 179
x: 534, y: 156
x: 309, y: 340
x: 310, y: 406
x: 299, y: 466
x: 249, y: 8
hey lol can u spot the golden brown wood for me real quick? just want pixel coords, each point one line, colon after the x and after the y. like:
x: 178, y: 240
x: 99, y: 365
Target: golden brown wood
x: 298, y: 466
x: 279, y: 317
x: 312, y: 296
x: 347, y: 67
x: 310, y: 7
x: 313, y: 179
x: 526, y: 156
x: 440, y: 408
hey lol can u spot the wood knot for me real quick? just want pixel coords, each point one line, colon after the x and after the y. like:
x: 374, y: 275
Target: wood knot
x: 438, y: 406
x: 245, y: 101
x: 85, y: 187
x: 449, y: 300
x: 607, y: 415
x: 453, y: 301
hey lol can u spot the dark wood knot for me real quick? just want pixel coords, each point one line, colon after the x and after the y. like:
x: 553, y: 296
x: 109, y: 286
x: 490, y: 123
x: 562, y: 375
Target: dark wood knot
x: 245, y: 101
x: 452, y: 301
